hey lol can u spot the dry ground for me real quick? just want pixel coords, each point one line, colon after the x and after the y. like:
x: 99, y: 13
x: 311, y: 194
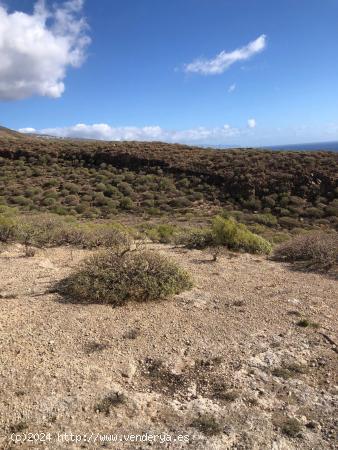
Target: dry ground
x: 225, y: 363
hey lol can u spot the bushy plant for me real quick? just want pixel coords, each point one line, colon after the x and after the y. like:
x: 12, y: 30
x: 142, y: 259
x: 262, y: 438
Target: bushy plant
x: 8, y: 228
x: 236, y: 236
x: 114, y: 277
x: 197, y: 239
x: 317, y: 250
x: 164, y: 233
x: 49, y: 230
x: 267, y: 219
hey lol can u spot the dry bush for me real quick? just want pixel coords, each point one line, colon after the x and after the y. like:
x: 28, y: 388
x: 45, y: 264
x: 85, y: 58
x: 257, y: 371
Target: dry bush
x: 115, y: 277
x: 316, y: 250
x: 49, y: 230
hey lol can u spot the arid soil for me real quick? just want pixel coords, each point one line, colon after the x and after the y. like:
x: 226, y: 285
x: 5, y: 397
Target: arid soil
x: 227, y: 364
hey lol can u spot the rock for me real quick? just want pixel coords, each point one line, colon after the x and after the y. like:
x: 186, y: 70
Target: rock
x: 294, y: 301
x: 128, y: 370
x: 7, y: 295
x: 46, y: 264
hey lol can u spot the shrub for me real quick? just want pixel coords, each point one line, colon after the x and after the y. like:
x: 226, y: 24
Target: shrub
x: 288, y: 222
x: 265, y: 219
x: 164, y: 233
x: 291, y: 427
x: 208, y: 425
x: 236, y: 236
x: 112, y: 400
x: 126, y: 203
x: 114, y: 277
x: 8, y: 229
x: 317, y: 250
x: 48, y: 230
x: 197, y: 239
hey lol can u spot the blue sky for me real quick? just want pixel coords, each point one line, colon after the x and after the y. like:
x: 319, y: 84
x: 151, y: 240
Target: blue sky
x: 154, y: 69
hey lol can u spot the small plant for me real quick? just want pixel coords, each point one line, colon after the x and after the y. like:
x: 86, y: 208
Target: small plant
x: 222, y: 392
x: 18, y: 427
x: 116, y: 277
x: 304, y: 323
x: 291, y: 427
x: 289, y: 371
x: 132, y: 334
x: 208, y: 425
x: 29, y: 251
x: 110, y: 401
x: 93, y: 347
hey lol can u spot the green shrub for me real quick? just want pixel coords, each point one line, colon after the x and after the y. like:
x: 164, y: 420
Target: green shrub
x: 8, y: 229
x: 266, y: 219
x: 236, y: 236
x: 126, y: 203
x: 316, y: 250
x: 164, y: 233
x: 114, y: 277
x: 197, y: 239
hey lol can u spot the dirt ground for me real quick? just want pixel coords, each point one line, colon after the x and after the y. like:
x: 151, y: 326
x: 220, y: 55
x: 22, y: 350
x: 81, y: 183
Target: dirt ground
x: 226, y: 365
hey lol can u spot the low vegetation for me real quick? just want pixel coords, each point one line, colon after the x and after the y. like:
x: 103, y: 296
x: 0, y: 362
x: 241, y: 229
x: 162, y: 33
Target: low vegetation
x: 207, y: 425
x: 291, y: 427
x: 316, y: 250
x: 228, y: 233
x: 274, y: 190
x: 50, y: 230
x: 115, y: 277
x: 110, y: 401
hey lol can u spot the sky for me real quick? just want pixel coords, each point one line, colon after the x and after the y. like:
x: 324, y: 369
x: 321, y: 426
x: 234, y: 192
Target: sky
x: 218, y: 72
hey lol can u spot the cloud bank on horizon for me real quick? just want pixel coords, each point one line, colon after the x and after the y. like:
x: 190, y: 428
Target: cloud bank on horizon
x: 36, y: 49
x: 224, y: 60
x: 103, y: 131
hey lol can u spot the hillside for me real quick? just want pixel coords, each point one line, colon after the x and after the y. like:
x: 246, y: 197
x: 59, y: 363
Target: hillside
x: 102, y: 179
x: 148, y: 314
x: 7, y: 133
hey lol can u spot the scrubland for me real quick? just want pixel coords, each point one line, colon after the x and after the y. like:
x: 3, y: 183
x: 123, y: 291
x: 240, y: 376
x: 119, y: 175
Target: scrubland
x: 149, y: 288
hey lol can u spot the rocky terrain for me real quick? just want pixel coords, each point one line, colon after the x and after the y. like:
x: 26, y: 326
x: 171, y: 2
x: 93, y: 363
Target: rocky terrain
x: 245, y: 360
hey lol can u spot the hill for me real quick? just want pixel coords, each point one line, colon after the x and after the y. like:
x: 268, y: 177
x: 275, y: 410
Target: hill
x: 101, y: 179
x: 8, y: 133
x: 258, y: 345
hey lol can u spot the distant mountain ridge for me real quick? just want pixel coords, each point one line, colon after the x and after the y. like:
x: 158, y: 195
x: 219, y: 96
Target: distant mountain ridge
x: 309, y: 146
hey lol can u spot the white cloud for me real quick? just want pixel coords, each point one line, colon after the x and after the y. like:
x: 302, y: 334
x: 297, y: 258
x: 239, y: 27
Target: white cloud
x: 231, y: 88
x: 103, y: 131
x: 27, y: 130
x: 252, y: 123
x: 224, y: 60
x: 37, y: 48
